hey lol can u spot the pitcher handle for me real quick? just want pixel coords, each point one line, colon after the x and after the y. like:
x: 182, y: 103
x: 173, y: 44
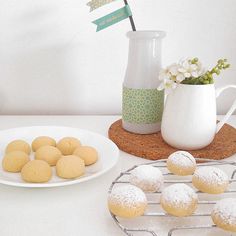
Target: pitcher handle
x: 231, y: 110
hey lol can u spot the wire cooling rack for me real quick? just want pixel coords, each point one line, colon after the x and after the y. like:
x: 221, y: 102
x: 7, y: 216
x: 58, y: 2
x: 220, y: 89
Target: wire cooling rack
x: 228, y: 166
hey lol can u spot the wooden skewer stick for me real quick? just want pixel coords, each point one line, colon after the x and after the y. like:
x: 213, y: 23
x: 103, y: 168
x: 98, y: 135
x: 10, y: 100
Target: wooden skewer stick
x: 131, y: 18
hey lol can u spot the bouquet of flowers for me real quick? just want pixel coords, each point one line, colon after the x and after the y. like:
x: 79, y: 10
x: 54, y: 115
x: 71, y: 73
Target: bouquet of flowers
x: 189, y: 71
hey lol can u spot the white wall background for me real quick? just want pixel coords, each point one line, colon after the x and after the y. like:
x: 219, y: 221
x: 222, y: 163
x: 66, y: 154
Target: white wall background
x: 53, y: 62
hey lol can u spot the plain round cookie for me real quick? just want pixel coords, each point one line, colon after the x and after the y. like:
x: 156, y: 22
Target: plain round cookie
x: 147, y: 177
x: 179, y: 200
x: 42, y: 141
x: 49, y: 154
x: 18, y: 145
x: 211, y: 180
x: 70, y: 167
x: 87, y: 153
x: 68, y: 145
x: 224, y: 214
x: 181, y: 163
x: 14, y: 161
x: 36, y: 171
x: 127, y: 201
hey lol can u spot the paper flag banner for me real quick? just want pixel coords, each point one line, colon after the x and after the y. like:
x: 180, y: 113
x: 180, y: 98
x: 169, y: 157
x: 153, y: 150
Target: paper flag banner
x: 113, y: 18
x: 94, y: 4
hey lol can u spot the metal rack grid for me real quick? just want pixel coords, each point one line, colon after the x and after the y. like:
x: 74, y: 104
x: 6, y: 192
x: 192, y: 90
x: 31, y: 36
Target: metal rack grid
x: 162, y: 164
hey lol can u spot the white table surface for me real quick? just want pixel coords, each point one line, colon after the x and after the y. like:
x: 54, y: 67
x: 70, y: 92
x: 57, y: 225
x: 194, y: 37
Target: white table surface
x: 78, y: 210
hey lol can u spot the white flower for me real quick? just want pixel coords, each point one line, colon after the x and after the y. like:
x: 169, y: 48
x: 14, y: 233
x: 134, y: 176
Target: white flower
x: 177, y: 72
x: 170, y: 77
x: 173, y: 69
x: 164, y: 74
x: 179, y: 78
x: 195, y: 74
x: 187, y: 74
x: 191, y: 70
x: 168, y: 85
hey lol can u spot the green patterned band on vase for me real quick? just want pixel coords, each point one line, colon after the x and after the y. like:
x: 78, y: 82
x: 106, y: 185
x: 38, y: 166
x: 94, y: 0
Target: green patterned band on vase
x: 142, y: 106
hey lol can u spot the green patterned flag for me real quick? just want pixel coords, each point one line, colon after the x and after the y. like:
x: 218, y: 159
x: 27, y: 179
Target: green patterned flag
x: 94, y: 4
x: 113, y: 18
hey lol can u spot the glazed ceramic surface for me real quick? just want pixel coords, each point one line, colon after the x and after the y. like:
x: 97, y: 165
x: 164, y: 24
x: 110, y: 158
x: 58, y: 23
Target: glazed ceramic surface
x: 142, y: 103
x: 189, y: 118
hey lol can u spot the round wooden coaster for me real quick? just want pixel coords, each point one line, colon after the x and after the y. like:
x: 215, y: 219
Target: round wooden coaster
x: 153, y: 147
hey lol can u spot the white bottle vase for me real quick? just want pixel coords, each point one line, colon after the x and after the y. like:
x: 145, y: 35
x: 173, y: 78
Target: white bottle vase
x: 142, y: 103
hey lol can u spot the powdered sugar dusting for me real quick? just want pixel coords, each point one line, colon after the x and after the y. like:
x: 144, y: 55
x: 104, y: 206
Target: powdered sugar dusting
x: 211, y: 175
x: 225, y: 209
x: 127, y: 196
x: 178, y: 195
x: 182, y: 159
x: 148, y: 178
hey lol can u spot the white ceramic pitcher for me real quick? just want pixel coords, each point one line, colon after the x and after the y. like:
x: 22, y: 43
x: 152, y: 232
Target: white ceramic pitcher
x: 189, y: 118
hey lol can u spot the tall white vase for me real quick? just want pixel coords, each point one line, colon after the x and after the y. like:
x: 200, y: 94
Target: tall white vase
x: 142, y: 102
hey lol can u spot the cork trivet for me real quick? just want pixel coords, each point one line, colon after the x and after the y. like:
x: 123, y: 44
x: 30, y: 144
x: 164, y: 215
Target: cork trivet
x: 153, y: 147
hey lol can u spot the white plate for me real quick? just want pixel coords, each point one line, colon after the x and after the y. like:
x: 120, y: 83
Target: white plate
x: 108, y: 153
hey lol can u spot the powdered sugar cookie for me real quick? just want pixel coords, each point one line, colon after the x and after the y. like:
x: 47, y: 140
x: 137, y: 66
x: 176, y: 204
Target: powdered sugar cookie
x: 179, y: 200
x: 209, y: 179
x: 146, y: 177
x: 224, y: 214
x: 181, y: 163
x: 127, y: 201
